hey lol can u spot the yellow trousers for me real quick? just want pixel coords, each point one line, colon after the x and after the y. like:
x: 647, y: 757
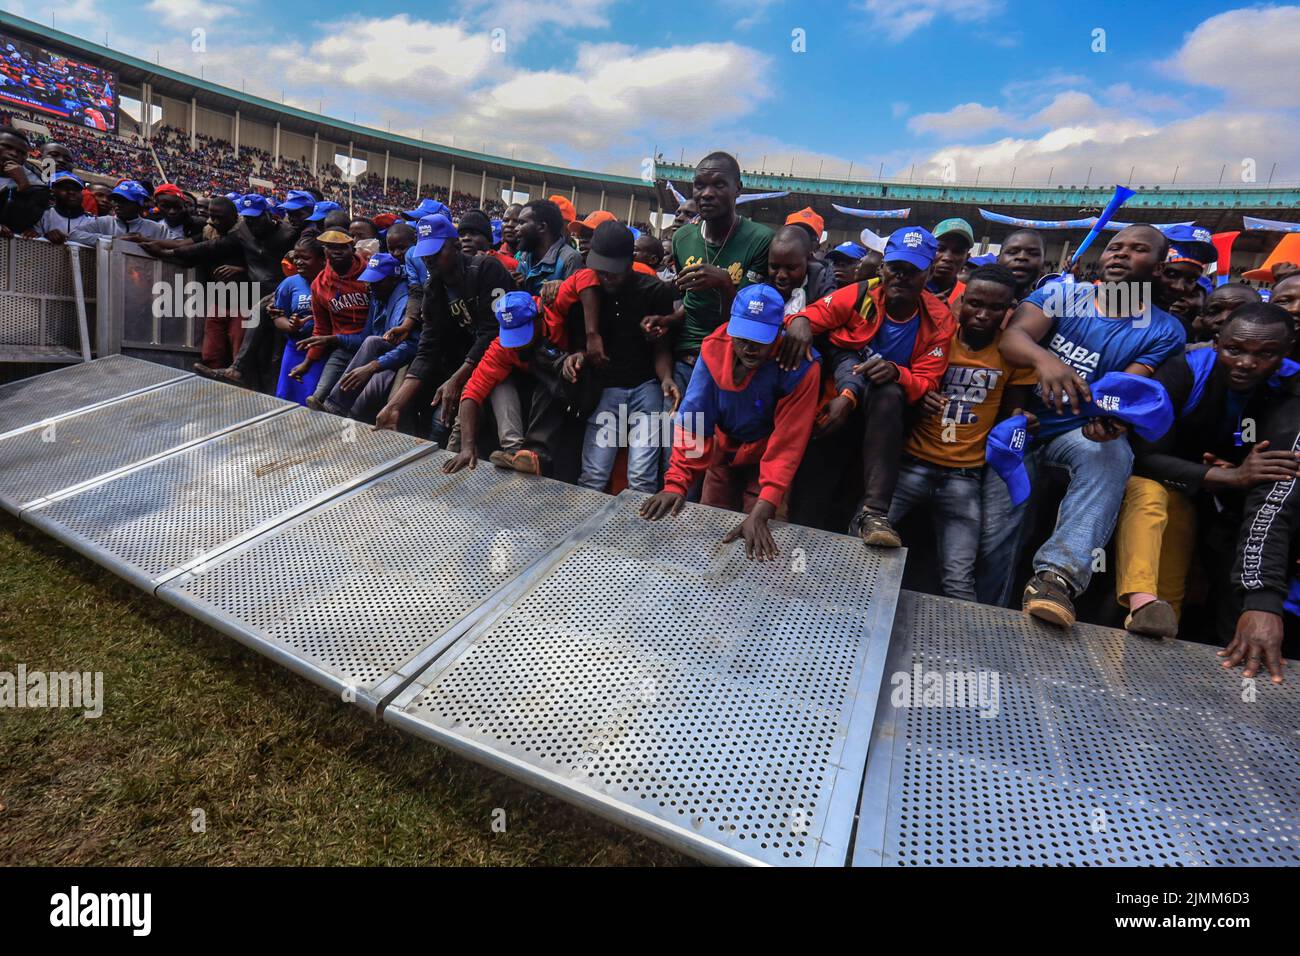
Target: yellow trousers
x: 1153, y: 543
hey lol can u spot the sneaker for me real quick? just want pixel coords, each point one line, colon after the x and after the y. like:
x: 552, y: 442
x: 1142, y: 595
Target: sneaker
x: 1154, y: 619
x: 1047, y: 597
x: 875, y: 530
x: 315, y: 403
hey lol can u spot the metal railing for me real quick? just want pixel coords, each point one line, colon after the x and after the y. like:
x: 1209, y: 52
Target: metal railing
x: 45, y: 291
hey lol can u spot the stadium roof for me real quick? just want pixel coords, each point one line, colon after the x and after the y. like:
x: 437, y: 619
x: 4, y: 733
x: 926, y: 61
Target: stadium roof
x: 182, y: 86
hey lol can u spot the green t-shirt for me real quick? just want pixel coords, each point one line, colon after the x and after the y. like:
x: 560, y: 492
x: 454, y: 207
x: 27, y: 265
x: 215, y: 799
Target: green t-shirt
x: 744, y: 256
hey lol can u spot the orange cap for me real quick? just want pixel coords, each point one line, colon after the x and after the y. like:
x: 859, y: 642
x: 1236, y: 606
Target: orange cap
x: 591, y: 222
x: 566, y: 208
x: 1288, y: 250
x: 806, y: 217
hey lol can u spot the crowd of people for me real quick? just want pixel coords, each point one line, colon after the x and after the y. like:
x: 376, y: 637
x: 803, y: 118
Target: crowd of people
x: 1139, y: 420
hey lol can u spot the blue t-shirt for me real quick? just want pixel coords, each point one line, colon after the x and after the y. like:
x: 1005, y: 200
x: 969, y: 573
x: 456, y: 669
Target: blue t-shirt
x: 416, y: 271
x: 293, y: 296
x: 896, y: 340
x: 1092, y: 344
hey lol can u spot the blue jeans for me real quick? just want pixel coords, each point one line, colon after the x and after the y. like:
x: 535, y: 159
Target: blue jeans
x: 1098, y: 472
x: 631, y: 418
x: 954, y: 498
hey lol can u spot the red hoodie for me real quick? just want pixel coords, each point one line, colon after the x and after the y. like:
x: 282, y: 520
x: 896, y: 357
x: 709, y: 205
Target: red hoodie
x: 498, y: 361
x: 340, y: 305
x: 765, y: 418
x: 852, y: 317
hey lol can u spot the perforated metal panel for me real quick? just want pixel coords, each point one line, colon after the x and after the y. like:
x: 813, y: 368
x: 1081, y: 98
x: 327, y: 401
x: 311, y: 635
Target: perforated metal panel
x: 41, y: 462
x: 37, y: 294
x: 35, y: 400
x: 660, y: 678
x: 153, y: 520
x: 1097, y: 749
x: 361, y: 587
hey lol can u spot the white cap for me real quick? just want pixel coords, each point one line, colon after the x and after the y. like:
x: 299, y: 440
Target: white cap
x: 873, y: 242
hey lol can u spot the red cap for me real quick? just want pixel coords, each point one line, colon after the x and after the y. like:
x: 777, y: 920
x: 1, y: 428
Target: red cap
x: 566, y: 208
x: 168, y: 189
x: 591, y: 222
x: 806, y: 217
x: 384, y: 220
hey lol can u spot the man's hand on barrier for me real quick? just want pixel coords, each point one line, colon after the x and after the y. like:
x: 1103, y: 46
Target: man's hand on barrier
x: 662, y: 505
x: 386, y: 420
x: 55, y: 236
x: 1258, y: 640
x: 466, y: 457
x: 759, y: 543
x: 227, y: 273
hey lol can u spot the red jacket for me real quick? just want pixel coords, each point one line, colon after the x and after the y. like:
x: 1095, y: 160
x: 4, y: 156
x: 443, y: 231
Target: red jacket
x: 851, y: 317
x: 498, y: 361
x: 340, y: 305
x: 765, y: 418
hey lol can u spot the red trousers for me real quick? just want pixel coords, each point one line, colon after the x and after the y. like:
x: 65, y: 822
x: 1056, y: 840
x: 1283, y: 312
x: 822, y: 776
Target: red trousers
x: 222, y: 336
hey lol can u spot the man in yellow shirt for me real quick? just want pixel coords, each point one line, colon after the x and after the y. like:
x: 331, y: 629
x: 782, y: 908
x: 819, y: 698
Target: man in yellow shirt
x: 943, y: 460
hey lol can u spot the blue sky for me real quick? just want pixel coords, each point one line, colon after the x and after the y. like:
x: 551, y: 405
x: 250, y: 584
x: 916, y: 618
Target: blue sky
x: 956, y: 88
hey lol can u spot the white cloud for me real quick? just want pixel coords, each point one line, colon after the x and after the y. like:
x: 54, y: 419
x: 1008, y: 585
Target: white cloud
x: 899, y: 19
x: 519, y: 18
x: 184, y: 14
x: 1251, y: 54
x: 961, y: 120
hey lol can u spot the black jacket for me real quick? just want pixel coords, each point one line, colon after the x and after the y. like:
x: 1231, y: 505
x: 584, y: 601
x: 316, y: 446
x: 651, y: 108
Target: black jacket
x: 21, y: 210
x: 261, y: 257
x: 1261, y: 574
x: 446, y: 342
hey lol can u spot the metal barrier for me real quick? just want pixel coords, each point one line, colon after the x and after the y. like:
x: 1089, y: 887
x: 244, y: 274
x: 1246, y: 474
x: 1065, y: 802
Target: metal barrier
x: 1098, y: 748
x: 126, y: 318
x: 45, y: 290
x: 742, y: 712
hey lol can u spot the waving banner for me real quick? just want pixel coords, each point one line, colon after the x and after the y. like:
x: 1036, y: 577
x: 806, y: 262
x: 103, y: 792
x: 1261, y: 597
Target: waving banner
x: 673, y: 189
x: 1272, y: 225
x: 1038, y: 223
x: 1122, y: 195
x: 873, y: 213
x: 756, y: 197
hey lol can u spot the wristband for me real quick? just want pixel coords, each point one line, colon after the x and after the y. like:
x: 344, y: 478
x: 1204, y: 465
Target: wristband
x: 848, y: 393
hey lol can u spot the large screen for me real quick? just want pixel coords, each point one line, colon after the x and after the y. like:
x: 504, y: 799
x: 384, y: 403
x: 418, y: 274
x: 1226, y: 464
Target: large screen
x: 49, y: 82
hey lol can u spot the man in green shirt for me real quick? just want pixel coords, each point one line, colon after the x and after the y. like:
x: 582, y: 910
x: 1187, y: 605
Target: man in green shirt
x: 714, y: 257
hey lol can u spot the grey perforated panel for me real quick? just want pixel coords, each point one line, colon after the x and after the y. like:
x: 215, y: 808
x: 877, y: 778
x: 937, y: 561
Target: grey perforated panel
x: 660, y: 677
x: 1099, y: 748
x: 154, y: 519
x: 361, y: 585
x: 41, y: 462
x: 41, y: 397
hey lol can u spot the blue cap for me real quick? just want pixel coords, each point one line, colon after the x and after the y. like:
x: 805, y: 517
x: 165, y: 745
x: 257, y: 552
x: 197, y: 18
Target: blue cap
x: 1205, y: 284
x: 132, y: 191
x: 1140, y: 401
x: 381, y: 266
x: 430, y: 234
x: 427, y: 207
x: 1005, y: 453
x: 914, y: 244
x: 233, y: 197
x: 848, y: 250
x: 515, y: 312
x: 497, y: 235
x: 253, y: 204
x: 322, y: 210
x: 65, y: 177
x: 636, y: 233
x: 1265, y: 295
x: 298, y: 199
x: 757, y: 313
x: 1190, y: 244
x: 984, y: 260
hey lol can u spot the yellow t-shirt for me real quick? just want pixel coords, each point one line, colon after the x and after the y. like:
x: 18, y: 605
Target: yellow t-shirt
x: 973, y: 386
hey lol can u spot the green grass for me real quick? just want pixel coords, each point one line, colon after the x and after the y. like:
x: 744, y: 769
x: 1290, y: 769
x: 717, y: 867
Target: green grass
x: 285, y: 773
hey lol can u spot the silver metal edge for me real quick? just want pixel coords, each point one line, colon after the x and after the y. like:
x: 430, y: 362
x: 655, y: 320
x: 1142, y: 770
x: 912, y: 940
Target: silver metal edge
x: 270, y: 524
x: 873, y: 809
x: 134, y: 466
x: 622, y: 814
x: 851, y: 766
x: 254, y: 641
x: 93, y: 406
x: 89, y: 549
x: 488, y: 611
